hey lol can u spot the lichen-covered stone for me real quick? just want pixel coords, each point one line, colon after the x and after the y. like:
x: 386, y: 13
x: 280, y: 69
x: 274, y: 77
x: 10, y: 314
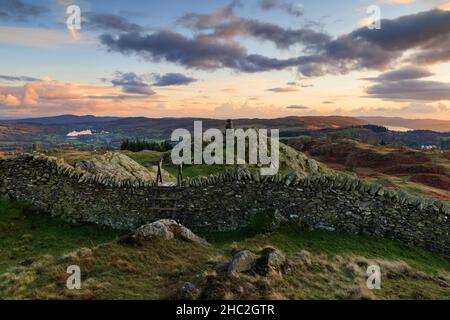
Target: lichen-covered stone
x: 157, y: 229
x: 242, y: 261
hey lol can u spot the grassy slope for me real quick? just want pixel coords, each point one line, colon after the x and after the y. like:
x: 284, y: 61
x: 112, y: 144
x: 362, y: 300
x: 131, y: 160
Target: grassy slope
x: 25, y: 234
x: 36, y: 265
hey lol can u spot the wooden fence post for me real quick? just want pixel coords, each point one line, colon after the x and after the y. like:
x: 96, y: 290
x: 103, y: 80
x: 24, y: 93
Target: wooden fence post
x: 180, y: 175
x: 159, y: 175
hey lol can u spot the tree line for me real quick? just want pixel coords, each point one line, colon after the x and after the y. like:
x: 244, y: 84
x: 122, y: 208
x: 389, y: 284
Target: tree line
x: 139, y: 145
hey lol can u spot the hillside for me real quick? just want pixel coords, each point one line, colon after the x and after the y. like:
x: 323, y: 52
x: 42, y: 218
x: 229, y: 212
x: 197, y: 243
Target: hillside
x: 416, y: 124
x: 322, y: 264
x: 64, y: 119
x: 162, y: 127
x: 22, y: 130
x: 35, y: 248
x: 107, y: 132
x: 374, y: 134
x: 417, y: 171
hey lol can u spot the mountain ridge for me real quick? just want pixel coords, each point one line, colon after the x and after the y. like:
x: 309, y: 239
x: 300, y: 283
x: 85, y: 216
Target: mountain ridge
x: 414, y: 124
x: 309, y: 122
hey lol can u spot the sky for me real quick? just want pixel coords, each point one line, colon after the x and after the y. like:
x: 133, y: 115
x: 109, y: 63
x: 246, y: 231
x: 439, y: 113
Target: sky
x: 225, y: 59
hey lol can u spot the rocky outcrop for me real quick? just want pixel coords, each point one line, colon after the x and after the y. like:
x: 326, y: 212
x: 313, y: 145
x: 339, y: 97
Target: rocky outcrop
x: 159, y: 229
x: 265, y: 262
x: 120, y: 167
x: 297, y: 162
x: 167, y: 229
x: 246, y: 275
x: 242, y: 261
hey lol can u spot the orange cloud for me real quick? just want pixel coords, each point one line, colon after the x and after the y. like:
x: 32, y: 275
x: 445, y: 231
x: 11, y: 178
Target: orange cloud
x: 445, y: 7
x: 56, y: 97
x: 231, y: 90
x: 283, y: 89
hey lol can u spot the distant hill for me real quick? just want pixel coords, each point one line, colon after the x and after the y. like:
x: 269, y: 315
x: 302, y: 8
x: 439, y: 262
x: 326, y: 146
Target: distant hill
x: 163, y: 127
x: 374, y: 134
x: 416, y: 124
x: 64, y: 119
x: 168, y: 124
x: 17, y: 130
x: 310, y: 122
x: 53, y: 130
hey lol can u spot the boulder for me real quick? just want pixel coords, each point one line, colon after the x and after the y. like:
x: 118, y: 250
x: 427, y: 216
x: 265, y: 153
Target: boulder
x: 270, y: 260
x: 187, y: 234
x: 167, y: 229
x: 188, y: 291
x: 265, y: 262
x: 242, y: 261
x: 157, y: 229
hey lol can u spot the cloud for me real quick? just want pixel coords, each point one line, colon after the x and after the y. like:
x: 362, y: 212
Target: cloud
x: 436, y: 51
x: 410, y: 110
x: 404, y: 73
x: 206, y: 21
x: 445, y: 7
x: 295, y: 83
x: 222, y: 23
x: 19, y: 10
x: 115, y: 97
x: 18, y: 78
x: 297, y: 107
x: 421, y: 38
x: 110, y: 22
x: 406, y: 84
x: 283, y: 89
x: 132, y: 83
x: 364, y: 48
x: 172, y: 79
x: 57, y: 97
x: 295, y: 9
x: 410, y: 90
x: 231, y: 90
x: 198, y: 52
x: 416, y: 108
x: 250, y: 109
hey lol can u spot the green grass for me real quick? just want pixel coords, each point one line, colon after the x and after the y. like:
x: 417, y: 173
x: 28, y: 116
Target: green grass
x: 291, y: 239
x: 157, y: 269
x: 190, y: 171
x: 151, y: 158
x: 144, y: 158
x: 26, y: 234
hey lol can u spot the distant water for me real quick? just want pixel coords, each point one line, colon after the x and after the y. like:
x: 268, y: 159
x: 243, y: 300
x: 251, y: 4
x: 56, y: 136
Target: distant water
x: 399, y: 129
x: 79, y: 133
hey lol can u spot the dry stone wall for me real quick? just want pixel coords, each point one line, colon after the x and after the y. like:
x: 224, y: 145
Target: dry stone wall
x: 228, y: 201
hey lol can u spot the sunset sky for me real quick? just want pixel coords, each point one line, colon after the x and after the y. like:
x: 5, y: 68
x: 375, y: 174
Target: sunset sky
x: 214, y: 58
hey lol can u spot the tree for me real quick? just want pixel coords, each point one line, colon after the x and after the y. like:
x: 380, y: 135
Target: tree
x: 139, y: 145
